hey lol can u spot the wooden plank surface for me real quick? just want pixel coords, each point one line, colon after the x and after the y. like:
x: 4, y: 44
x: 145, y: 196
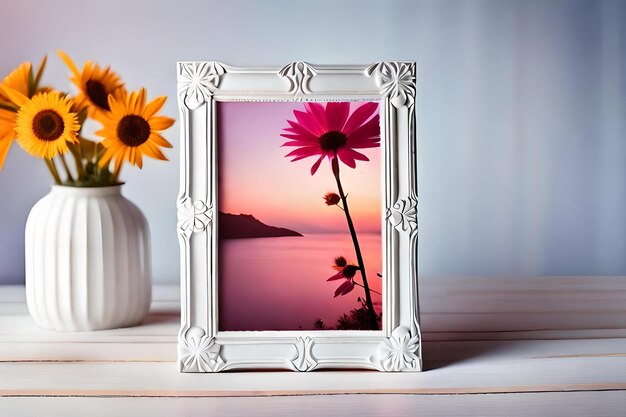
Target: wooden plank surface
x: 469, y: 349
x: 563, y: 404
x: 148, y: 369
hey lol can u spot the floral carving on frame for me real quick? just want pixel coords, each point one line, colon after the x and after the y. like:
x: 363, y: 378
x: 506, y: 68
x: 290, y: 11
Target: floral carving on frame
x: 396, y: 81
x: 400, y: 351
x: 304, y: 361
x: 198, y: 80
x: 199, y: 353
x: 299, y: 74
x: 403, y: 214
x: 193, y: 216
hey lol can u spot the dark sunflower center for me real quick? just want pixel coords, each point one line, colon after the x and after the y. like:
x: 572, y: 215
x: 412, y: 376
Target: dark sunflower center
x: 333, y: 140
x: 98, y: 94
x: 48, y: 125
x: 133, y: 130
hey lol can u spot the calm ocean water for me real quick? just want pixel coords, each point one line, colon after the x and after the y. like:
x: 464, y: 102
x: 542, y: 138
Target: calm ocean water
x: 280, y: 283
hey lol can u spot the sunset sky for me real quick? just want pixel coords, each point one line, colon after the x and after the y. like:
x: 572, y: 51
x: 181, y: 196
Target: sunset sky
x: 256, y: 178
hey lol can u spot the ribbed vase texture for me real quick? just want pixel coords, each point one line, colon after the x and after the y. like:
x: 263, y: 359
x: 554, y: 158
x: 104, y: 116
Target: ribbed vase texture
x: 88, y: 263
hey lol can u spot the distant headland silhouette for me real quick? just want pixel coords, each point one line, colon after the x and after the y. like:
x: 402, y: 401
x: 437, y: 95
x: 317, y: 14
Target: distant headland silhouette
x: 244, y: 226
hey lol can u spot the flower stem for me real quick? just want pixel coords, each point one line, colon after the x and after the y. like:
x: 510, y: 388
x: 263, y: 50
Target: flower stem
x: 116, y: 173
x: 355, y: 241
x: 77, y: 152
x: 53, y: 171
x: 361, y: 285
x: 67, y: 169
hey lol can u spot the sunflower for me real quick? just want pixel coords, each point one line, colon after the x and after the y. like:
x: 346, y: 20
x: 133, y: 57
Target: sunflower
x: 131, y: 129
x: 45, y: 123
x: 95, y: 85
x: 21, y: 79
x: 332, y: 131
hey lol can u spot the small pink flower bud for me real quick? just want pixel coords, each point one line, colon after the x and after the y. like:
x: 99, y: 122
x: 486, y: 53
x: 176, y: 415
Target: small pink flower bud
x: 332, y: 199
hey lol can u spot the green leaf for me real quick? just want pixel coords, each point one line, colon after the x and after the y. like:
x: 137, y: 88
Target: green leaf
x: 42, y: 66
x: 88, y: 148
x: 31, y: 82
x: 82, y: 116
x: 8, y: 106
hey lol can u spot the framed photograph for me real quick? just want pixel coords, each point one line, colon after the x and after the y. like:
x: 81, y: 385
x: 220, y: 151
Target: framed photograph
x: 297, y: 217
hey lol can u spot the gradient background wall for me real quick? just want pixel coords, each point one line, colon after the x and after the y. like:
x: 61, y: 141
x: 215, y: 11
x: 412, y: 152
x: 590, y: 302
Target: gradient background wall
x: 521, y: 113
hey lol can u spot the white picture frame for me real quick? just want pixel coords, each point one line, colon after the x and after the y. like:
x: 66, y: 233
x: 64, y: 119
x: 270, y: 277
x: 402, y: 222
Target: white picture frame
x: 201, y: 346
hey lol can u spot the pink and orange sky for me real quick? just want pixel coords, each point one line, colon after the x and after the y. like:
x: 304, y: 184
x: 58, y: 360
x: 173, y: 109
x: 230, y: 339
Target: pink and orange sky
x: 256, y: 178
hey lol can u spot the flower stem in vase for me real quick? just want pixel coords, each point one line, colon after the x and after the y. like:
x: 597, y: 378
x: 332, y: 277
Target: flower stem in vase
x: 53, y: 171
x: 67, y: 169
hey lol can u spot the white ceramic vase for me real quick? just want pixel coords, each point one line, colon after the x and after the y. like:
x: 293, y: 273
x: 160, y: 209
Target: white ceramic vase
x: 88, y: 263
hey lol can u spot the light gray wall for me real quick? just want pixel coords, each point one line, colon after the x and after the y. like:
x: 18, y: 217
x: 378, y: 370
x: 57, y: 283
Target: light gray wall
x: 521, y: 113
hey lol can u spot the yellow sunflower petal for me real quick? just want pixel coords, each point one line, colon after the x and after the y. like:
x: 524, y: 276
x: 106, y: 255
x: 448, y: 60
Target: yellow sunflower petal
x: 6, y: 140
x: 153, y: 107
x: 153, y: 151
x: 106, y: 158
x: 141, y: 102
x: 88, y: 70
x: 15, y: 96
x: 138, y: 158
x: 132, y: 103
x: 102, y: 132
x: 19, y: 79
x: 148, y: 150
x: 70, y: 64
x: 117, y: 105
x: 128, y: 155
x: 7, y: 117
x: 161, y: 122
x: 120, y: 94
x: 160, y: 140
x: 119, y: 159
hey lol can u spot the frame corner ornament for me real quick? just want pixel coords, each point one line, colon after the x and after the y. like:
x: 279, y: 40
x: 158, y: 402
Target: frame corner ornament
x: 304, y: 359
x: 403, y: 214
x: 400, y: 351
x: 299, y: 74
x: 199, y: 353
x: 193, y: 216
x: 396, y: 80
x: 198, y: 80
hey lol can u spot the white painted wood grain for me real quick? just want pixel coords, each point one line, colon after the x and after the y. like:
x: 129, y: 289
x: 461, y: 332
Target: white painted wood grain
x: 508, y: 366
x: 140, y: 361
x: 563, y: 404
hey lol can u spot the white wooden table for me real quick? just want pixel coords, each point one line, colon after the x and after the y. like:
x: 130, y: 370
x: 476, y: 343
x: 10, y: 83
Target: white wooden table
x: 534, y: 346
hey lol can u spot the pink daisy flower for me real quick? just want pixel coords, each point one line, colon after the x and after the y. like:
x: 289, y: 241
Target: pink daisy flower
x: 332, y: 130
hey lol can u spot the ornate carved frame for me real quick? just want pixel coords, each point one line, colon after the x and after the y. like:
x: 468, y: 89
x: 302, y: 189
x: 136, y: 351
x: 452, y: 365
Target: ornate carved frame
x: 201, y: 347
